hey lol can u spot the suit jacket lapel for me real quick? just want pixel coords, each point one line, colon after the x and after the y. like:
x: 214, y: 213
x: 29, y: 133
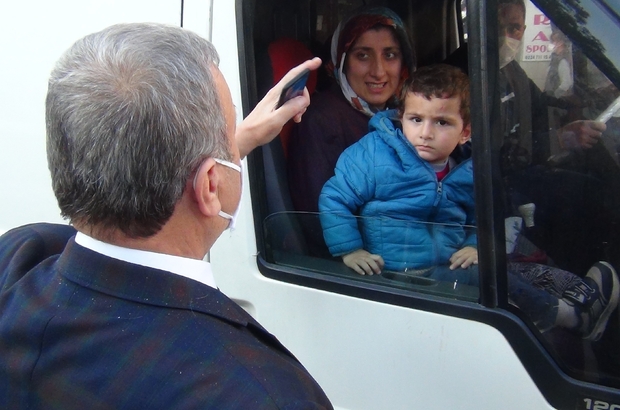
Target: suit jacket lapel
x: 146, y: 285
x: 150, y: 286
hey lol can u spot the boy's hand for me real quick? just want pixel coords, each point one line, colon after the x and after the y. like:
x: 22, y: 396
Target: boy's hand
x: 363, y: 262
x: 464, y: 258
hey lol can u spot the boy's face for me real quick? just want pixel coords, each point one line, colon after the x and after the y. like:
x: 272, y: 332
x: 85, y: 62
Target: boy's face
x: 434, y: 126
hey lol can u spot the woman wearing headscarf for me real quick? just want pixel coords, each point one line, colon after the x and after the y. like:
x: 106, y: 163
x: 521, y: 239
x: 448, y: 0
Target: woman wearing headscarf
x: 371, y: 56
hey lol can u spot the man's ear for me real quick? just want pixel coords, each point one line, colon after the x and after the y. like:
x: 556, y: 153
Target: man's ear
x: 465, y: 134
x: 205, y: 186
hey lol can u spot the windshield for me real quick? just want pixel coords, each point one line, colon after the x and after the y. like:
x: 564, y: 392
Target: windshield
x: 558, y: 145
x: 593, y: 27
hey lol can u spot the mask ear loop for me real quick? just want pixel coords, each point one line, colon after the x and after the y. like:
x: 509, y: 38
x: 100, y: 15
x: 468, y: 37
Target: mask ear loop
x: 228, y: 164
x: 231, y: 218
x: 221, y: 213
x: 219, y: 161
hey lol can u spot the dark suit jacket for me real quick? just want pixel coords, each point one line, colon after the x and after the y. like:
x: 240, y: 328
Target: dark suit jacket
x: 79, y: 330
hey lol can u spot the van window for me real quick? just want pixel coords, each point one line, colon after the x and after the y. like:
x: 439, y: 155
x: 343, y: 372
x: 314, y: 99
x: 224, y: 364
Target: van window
x: 293, y: 238
x: 561, y: 181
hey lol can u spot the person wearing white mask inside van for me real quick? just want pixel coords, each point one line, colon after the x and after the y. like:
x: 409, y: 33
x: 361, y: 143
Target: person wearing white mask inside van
x: 528, y: 153
x: 523, y: 107
x: 567, y: 222
x: 511, y: 32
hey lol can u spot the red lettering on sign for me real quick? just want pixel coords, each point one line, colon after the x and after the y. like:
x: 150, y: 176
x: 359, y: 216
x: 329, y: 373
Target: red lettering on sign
x: 541, y: 19
x: 541, y: 36
x: 537, y: 49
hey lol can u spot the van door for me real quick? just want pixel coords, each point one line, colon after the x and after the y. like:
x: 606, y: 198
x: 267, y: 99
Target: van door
x: 396, y: 340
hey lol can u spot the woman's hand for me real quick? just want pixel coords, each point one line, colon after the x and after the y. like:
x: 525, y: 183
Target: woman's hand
x: 265, y: 121
x: 464, y: 258
x: 363, y: 262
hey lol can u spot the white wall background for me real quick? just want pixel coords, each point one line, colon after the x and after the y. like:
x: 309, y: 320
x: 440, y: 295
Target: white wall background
x: 33, y: 35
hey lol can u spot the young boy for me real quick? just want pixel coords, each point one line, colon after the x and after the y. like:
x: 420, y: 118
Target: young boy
x: 398, y: 183
x: 403, y: 200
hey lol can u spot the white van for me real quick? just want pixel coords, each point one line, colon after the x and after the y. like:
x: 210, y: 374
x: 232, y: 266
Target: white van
x: 392, y: 341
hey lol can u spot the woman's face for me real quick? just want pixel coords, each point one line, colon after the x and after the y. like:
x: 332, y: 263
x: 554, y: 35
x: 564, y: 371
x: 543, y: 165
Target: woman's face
x: 373, y: 66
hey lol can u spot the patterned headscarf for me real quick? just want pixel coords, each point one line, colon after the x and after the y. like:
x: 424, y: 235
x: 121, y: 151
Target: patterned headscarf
x: 349, y: 30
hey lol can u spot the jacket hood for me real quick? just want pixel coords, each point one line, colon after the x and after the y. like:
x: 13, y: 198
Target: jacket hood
x: 383, y: 122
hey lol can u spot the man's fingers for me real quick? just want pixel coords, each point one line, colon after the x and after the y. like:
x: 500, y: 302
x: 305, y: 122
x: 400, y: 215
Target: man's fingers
x: 295, y: 107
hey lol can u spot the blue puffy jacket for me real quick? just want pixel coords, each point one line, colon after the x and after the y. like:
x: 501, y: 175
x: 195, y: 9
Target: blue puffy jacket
x: 385, y: 199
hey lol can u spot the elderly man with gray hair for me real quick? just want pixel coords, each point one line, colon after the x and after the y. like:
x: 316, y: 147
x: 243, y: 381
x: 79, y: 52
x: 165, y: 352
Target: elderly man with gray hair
x: 119, y: 310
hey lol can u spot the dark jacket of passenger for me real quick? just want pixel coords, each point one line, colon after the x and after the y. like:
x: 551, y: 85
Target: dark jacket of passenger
x: 329, y: 126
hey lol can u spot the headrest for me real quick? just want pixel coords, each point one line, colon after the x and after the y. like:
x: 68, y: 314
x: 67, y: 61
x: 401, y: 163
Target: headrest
x: 286, y: 53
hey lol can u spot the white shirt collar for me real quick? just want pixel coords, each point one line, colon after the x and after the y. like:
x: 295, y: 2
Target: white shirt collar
x: 198, y: 270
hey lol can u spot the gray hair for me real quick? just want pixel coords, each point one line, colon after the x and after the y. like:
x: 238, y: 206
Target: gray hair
x: 131, y: 112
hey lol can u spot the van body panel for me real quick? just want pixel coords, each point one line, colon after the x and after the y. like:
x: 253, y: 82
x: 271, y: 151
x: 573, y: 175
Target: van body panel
x: 369, y: 347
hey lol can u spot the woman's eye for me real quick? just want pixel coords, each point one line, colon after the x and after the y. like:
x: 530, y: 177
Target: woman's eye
x: 391, y: 55
x: 362, y: 56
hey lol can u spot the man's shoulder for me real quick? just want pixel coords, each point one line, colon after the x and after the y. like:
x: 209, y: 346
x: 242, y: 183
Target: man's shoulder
x: 46, y: 232
x: 22, y: 248
x: 167, y: 333
x: 269, y: 374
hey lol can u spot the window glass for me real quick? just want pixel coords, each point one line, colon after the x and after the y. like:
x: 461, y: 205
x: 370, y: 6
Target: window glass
x: 414, y: 250
x: 416, y: 254
x: 561, y: 176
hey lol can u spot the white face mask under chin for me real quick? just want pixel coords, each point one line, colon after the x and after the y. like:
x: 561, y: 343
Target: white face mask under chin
x: 232, y: 219
x: 508, y: 50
